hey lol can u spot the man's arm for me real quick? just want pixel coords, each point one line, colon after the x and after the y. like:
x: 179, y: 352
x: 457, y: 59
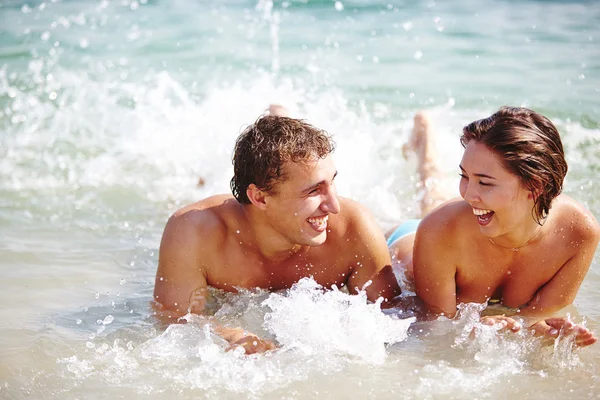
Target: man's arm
x: 181, y: 285
x: 373, y: 262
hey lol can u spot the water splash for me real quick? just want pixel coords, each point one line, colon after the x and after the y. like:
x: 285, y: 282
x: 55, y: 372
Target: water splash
x: 316, y: 321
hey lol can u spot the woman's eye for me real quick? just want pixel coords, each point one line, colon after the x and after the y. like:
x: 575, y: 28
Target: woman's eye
x: 463, y: 176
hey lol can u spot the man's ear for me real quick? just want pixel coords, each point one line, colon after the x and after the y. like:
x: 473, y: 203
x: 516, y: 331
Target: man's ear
x: 256, y: 196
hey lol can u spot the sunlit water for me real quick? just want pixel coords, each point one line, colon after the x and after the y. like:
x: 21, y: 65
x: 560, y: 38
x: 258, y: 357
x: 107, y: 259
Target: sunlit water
x: 111, y: 111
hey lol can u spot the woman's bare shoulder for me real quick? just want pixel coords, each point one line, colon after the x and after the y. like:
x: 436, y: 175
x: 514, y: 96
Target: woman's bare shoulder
x: 448, y: 216
x: 570, y: 213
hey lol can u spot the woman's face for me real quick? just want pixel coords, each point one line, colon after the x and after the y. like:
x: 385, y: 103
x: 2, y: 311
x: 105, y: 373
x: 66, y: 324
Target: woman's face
x: 500, y: 202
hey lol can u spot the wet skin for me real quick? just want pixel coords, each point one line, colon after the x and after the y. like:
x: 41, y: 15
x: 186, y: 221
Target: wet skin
x: 301, y: 229
x: 455, y: 261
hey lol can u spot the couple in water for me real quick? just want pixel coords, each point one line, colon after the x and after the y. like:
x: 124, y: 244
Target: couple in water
x: 512, y: 239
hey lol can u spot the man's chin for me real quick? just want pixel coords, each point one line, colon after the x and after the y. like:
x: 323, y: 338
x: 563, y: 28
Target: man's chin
x: 317, y: 240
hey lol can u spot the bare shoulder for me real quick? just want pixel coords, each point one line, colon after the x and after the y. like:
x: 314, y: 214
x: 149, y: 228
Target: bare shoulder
x: 354, y: 216
x: 201, y: 223
x: 355, y: 227
x: 571, y: 213
x: 446, y: 220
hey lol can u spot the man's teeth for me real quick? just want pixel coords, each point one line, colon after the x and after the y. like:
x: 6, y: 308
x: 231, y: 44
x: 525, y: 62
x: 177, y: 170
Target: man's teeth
x: 478, y: 211
x: 318, y: 221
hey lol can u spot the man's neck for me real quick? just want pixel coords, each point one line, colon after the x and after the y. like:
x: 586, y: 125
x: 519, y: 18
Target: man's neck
x: 269, y: 243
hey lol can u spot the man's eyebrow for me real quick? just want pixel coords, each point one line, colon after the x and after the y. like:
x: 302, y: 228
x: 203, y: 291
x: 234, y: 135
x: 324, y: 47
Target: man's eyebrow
x: 316, y: 185
x: 478, y: 175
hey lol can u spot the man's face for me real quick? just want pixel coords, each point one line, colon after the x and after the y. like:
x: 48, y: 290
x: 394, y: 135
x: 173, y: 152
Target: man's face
x: 300, y: 206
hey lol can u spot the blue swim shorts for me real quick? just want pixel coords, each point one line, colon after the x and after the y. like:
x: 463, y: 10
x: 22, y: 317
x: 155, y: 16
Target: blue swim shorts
x: 405, y: 228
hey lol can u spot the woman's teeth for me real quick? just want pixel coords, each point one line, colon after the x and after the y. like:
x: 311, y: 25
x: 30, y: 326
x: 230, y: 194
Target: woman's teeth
x: 479, y: 211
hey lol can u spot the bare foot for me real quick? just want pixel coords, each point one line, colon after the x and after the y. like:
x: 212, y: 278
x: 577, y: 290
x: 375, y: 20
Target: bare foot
x: 421, y: 143
x: 278, y: 110
x: 551, y: 328
x: 420, y: 135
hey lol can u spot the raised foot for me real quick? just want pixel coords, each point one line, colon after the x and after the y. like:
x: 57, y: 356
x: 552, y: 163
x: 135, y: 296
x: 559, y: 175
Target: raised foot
x: 419, y: 136
x: 278, y: 110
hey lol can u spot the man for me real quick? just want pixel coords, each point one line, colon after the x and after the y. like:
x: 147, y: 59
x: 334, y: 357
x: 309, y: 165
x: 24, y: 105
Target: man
x: 284, y: 222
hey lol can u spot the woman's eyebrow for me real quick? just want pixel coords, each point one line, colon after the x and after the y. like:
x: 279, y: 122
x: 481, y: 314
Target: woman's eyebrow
x: 478, y: 174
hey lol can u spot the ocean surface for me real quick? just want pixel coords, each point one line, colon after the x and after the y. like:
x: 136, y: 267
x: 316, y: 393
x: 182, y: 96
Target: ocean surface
x: 111, y: 111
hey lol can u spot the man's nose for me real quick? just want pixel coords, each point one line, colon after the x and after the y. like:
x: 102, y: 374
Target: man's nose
x: 331, y: 204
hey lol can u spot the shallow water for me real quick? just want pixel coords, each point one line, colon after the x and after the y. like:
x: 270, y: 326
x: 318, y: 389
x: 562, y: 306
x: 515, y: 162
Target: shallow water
x: 110, y: 111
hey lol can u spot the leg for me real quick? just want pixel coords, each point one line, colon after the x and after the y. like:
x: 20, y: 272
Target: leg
x: 422, y: 144
x: 401, y: 251
x: 400, y: 242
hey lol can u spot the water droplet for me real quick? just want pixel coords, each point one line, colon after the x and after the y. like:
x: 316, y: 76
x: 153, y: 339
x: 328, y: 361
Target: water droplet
x: 418, y: 54
x: 108, y: 319
x: 339, y: 6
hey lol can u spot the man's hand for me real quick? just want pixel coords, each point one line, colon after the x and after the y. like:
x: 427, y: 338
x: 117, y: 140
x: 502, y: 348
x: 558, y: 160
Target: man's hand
x: 550, y: 328
x: 249, y: 342
x: 238, y: 337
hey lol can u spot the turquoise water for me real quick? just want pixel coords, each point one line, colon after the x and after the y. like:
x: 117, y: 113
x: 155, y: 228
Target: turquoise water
x: 110, y: 111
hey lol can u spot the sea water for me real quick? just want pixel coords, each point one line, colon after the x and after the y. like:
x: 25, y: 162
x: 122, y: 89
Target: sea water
x: 112, y: 111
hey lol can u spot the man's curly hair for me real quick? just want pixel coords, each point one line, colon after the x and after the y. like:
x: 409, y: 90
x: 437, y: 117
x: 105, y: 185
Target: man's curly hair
x: 263, y: 149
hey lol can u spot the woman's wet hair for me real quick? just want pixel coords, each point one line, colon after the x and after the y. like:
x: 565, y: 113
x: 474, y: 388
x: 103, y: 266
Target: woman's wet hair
x: 530, y: 146
x: 263, y: 149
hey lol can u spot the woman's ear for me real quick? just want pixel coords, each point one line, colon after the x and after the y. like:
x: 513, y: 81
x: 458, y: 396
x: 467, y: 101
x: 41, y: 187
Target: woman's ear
x: 534, y: 193
x: 256, y: 196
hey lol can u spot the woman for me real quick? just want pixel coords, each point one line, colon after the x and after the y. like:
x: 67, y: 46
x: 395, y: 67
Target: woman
x: 513, y: 238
